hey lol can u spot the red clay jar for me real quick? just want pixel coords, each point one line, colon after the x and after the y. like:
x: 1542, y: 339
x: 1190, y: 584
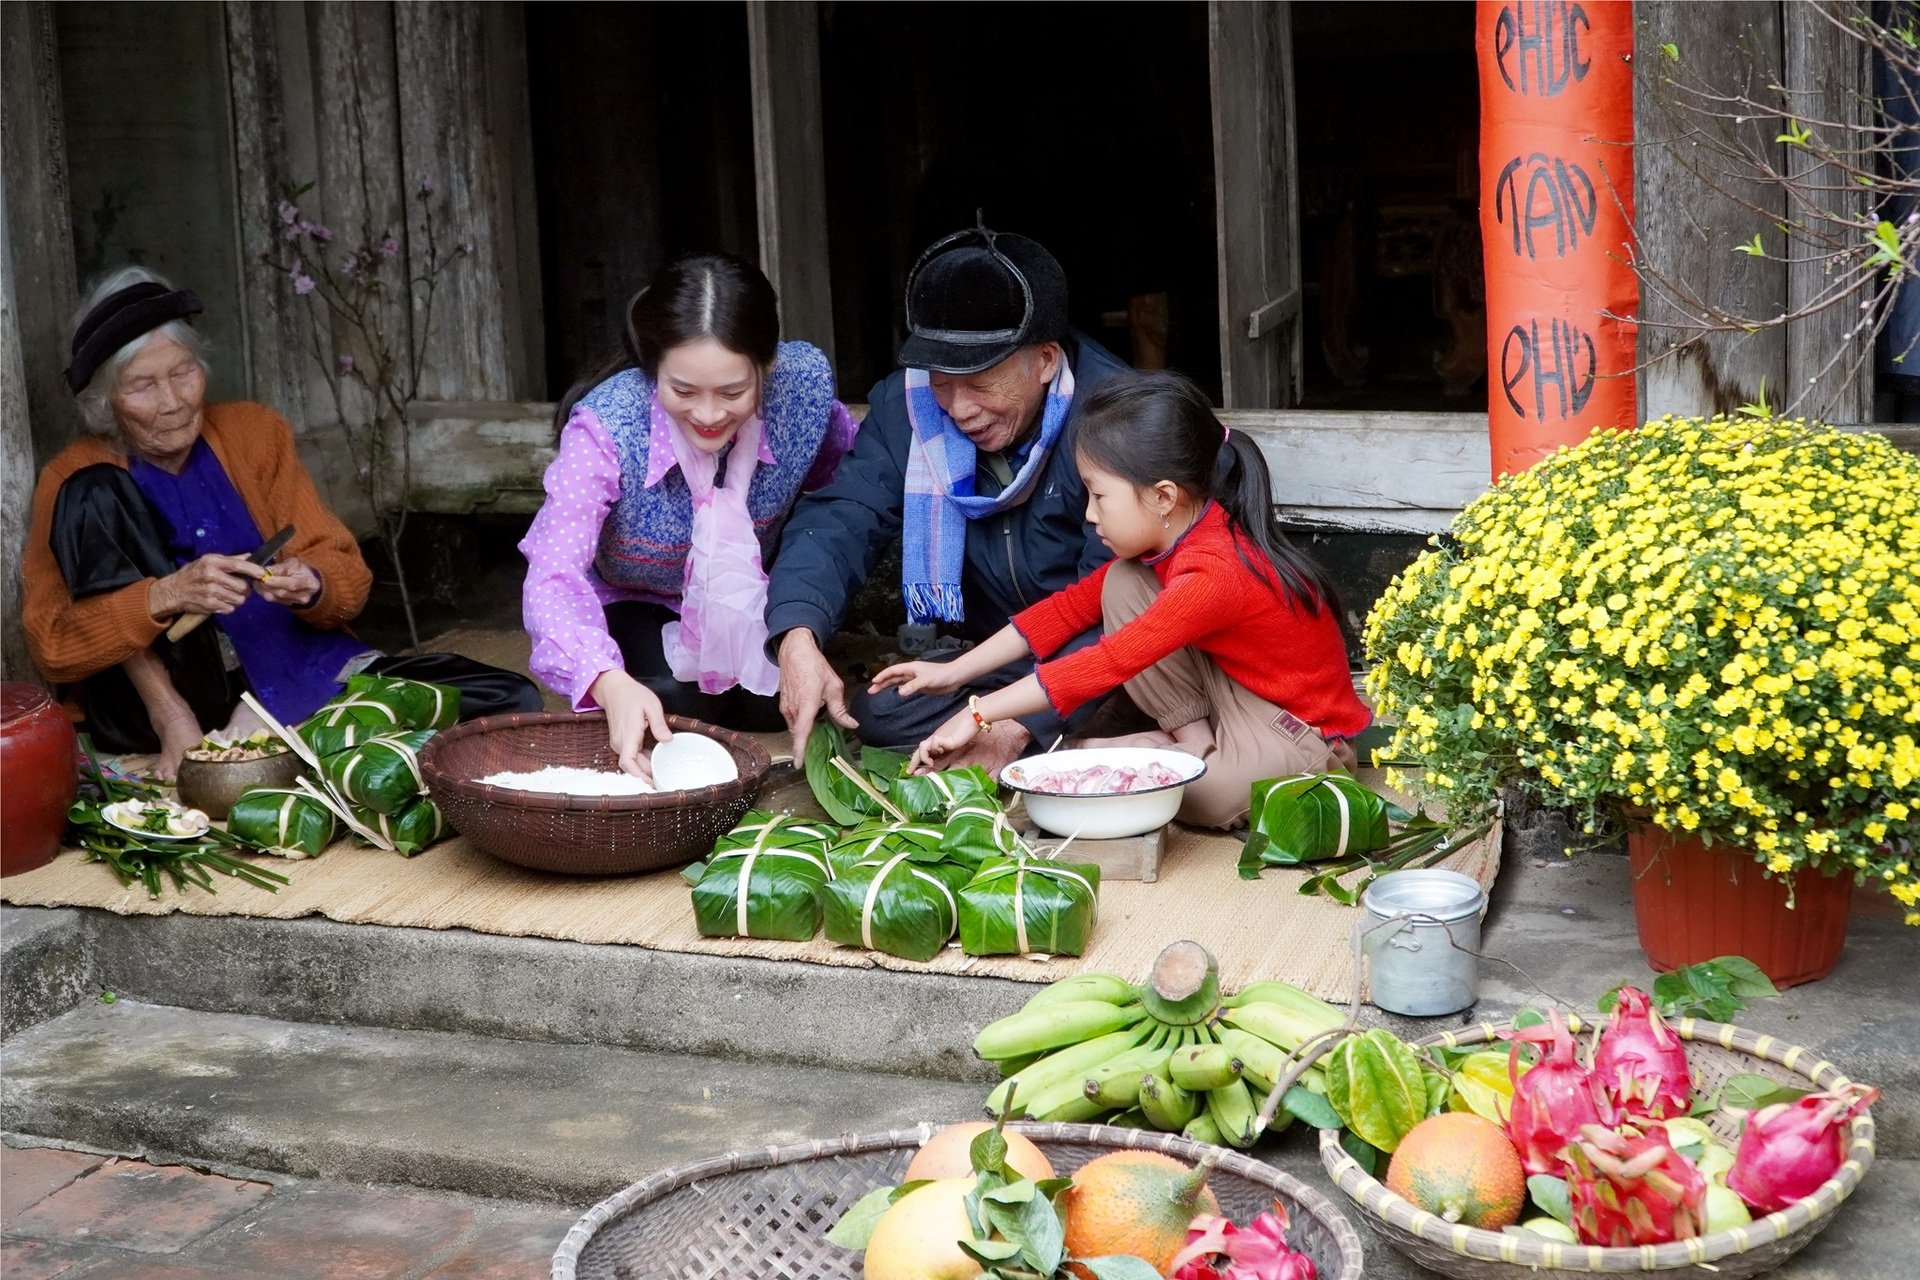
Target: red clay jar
x: 37, y: 777
x: 1694, y: 903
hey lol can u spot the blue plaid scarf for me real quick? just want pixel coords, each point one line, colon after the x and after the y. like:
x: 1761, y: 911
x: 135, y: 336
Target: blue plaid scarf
x: 940, y: 497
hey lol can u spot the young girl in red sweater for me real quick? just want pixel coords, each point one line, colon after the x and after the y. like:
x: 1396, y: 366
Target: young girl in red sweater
x: 1221, y: 630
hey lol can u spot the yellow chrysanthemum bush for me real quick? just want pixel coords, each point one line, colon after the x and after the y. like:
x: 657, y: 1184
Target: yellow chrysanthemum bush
x: 1714, y: 624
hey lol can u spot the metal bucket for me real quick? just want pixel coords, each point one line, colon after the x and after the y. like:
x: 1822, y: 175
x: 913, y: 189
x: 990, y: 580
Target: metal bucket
x: 1424, y: 964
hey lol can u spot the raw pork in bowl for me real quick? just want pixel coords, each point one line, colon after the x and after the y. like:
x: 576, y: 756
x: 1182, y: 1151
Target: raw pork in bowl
x: 1103, y: 793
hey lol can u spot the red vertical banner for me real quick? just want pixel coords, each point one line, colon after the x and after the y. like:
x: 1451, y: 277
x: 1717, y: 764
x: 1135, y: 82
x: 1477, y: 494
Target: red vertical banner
x: 1556, y: 201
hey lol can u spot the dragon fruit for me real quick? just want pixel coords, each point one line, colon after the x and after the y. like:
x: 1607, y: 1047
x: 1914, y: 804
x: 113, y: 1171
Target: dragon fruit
x: 1640, y: 1063
x: 1788, y: 1149
x: 1257, y: 1251
x: 1629, y: 1187
x: 1552, y: 1099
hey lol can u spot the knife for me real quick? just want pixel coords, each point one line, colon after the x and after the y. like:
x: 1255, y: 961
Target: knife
x: 184, y: 624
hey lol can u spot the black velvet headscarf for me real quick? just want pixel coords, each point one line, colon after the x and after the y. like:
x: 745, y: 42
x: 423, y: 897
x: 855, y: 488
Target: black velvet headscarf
x: 118, y: 319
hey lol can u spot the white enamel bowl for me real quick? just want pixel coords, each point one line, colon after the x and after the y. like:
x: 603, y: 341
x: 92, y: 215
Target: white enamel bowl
x: 1102, y: 817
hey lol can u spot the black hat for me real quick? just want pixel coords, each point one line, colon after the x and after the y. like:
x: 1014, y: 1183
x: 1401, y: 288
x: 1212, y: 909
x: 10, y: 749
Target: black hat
x: 977, y: 296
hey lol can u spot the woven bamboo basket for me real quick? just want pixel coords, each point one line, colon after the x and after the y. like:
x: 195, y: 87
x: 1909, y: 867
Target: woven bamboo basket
x: 766, y: 1213
x: 1715, y: 1052
x: 579, y: 835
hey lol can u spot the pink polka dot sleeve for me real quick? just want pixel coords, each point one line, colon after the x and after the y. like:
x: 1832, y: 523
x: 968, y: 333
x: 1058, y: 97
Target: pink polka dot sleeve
x: 563, y: 601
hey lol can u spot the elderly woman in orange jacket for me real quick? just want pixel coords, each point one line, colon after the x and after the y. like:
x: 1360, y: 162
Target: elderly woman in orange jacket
x: 153, y: 517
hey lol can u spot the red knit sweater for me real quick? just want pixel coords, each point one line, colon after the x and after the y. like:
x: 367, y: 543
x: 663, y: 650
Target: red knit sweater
x: 1211, y: 600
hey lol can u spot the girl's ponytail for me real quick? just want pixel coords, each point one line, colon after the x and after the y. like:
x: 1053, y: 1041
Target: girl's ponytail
x: 1149, y: 427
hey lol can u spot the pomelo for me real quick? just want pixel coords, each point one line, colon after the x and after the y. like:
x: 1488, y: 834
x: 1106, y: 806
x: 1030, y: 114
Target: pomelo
x: 919, y: 1237
x: 946, y: 1154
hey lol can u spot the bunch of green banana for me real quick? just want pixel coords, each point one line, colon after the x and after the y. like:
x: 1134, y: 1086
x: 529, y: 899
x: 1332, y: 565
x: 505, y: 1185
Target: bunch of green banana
x: 1167, y: 1054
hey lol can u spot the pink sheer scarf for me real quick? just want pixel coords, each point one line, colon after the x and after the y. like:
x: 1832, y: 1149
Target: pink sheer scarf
x: 721, y: 636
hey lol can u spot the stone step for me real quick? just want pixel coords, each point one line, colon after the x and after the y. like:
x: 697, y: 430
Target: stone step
x: 487, y: 1117
x: 562, y: 1124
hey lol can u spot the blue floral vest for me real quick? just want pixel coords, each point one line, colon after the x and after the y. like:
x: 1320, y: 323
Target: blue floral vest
x: 645, y: 540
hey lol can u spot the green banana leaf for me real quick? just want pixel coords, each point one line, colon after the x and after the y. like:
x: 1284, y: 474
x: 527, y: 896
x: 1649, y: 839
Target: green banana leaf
x: 934, y: 795
x: 904, y: 905
x: 421, y: 705
x: 759, y: 829
x: 1314, y: 816
x: 882, y: 839
x: 761, y: 892
x: 980, y: 829
x: 381, y: 774
x: 844, y: 802
x: 327, y: 739
x: 410, y: 830
x: 1018, y: 906
x: 282, y: 820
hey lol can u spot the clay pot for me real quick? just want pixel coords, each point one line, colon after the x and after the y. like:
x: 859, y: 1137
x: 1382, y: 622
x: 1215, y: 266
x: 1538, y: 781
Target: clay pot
x: 37, y: 747
x: 1694, y: 903
x: 213, y: 785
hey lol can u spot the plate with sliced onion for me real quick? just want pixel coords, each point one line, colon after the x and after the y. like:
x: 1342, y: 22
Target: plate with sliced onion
x: 157, y: 819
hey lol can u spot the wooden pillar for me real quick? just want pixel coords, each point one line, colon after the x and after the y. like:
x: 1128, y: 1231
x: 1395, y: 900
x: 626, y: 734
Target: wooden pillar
x: 16, y: 469
x: 39, y: 242
x: 1829, y: 369
x: 790, y: 164
x: 1256, y: 203
x: 1687, y: 230
x: 463, y: 120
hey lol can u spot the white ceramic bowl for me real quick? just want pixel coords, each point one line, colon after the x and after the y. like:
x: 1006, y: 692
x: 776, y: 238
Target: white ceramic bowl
x: 1103, y: 817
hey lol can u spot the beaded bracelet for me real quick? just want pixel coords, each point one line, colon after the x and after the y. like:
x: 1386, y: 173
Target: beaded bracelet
x: 973, y: 705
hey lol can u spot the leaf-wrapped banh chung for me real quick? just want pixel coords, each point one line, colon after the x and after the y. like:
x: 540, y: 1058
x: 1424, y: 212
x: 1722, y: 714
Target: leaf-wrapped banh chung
x: 1016, y: 906
x: 421, y: 705
x: 980, y: 829
x: 1314, y: 816
x: 281, y: 820
x: 382, y: 774
x: 903, y: 904
x: 935, y: 795
x: 883, y: 839
x: 327, y: 739
x: 409, y: 830
x: 761, y: 891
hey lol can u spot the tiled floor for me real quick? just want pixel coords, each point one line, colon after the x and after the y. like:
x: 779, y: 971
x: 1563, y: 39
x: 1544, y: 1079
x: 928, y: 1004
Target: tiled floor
x: 71, y: 1215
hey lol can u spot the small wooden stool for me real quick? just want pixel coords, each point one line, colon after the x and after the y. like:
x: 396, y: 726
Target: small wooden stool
x: 1128, y: 858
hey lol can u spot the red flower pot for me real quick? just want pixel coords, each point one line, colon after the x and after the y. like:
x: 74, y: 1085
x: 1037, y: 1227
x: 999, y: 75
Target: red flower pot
x: 1693, y: 903
x: 37, y: 777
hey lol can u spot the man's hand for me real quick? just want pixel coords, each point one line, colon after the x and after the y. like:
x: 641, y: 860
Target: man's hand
x: 633, y: 712
x: 808, y: 682
x: 212, y: 584
x: 290, y: 582
x: 917, y: 677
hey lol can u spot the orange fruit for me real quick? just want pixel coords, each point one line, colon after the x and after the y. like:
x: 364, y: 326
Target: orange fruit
x: 1137, y: 1202
x: 1460, y: 1167
x: 947, y: 1154
x: 919, y: 1237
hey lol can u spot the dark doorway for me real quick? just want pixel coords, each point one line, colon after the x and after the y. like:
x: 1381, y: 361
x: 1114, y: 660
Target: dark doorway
x: 643, y: 147
x: 1388, y: 110
x: 1087, y: 127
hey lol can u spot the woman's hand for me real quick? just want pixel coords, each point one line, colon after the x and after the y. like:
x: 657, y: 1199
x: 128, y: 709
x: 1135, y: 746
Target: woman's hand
x: 178, y: 735
x: 290, y: 582
x: 633, y: 712
x: 211, y: 584
x: 950, y: 737
x: 917, y: 677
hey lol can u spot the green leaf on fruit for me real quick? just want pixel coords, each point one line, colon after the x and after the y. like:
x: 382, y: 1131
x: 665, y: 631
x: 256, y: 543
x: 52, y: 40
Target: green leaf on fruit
x: 1310, y: 1108
x: 1749, y: 1092
x: 1364, y: 1154
x: 856, y: 1225
x: 1550, y: 1194
x: 988, y: 1152
x: 1044, y: 1236
x: 1528, y: 1016
x: 1119, y: 1267
x: 991, y: 1251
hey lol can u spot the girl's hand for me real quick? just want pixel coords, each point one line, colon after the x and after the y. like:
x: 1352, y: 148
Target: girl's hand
x: 290, y: 582
x: 633, y: 712
x: 917, y: 677
x: 950, y: 737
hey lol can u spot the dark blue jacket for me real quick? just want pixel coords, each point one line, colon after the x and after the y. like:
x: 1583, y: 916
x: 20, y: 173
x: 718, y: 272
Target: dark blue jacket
x: 1013, y: 560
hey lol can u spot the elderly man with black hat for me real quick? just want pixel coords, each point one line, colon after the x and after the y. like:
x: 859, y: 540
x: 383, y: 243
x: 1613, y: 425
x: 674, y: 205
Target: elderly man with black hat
x: 966, y: 455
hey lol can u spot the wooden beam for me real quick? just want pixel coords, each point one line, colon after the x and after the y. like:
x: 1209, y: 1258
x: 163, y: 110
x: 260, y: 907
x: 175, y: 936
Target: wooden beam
x: 790, y: 164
